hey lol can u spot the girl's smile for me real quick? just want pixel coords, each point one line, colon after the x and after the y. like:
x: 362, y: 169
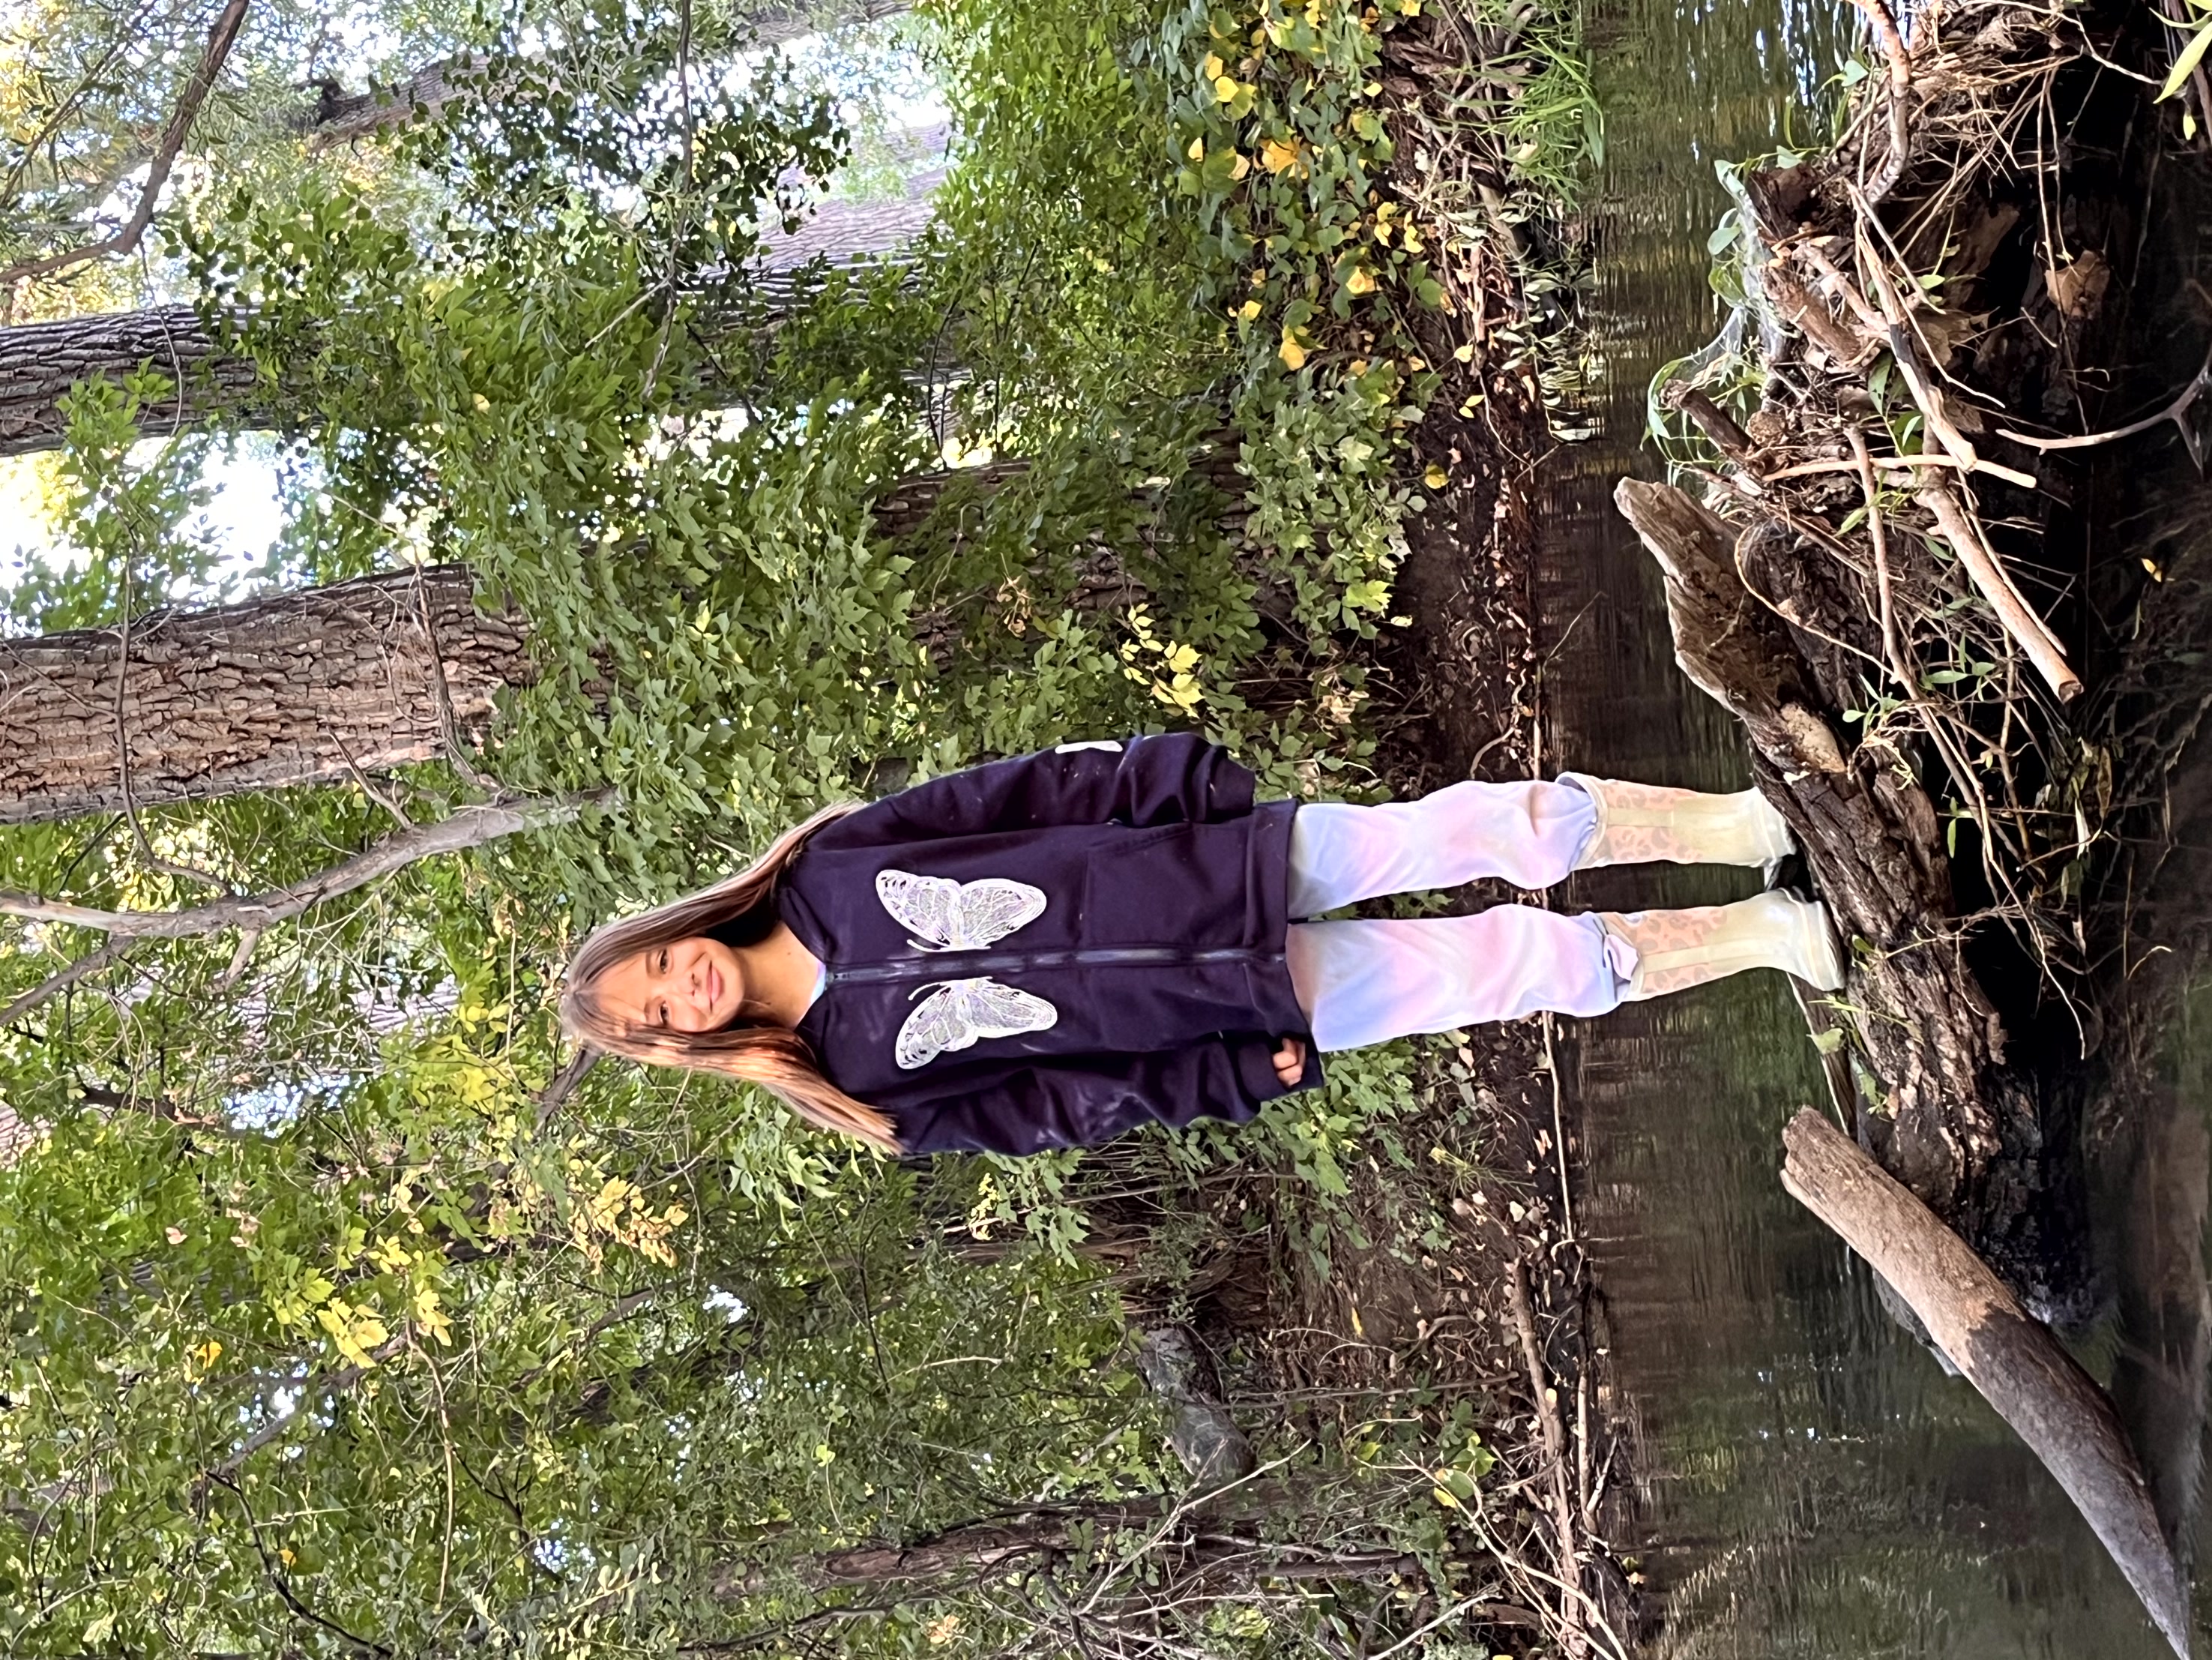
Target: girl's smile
x: 691, y: 985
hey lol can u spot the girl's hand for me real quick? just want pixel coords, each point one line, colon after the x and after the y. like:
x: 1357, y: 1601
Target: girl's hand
x: 1290, y: 1061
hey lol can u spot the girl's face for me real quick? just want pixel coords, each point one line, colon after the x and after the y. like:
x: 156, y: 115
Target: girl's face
x: 693, y: 985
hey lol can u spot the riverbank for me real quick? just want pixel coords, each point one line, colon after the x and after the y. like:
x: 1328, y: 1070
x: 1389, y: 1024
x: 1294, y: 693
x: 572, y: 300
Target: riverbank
x: 1444, y: 1287
x: 1910, y: 579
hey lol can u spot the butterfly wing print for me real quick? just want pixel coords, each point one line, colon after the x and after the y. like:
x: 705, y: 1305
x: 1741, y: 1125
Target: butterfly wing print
x: 955, y: 1013
x: 944, y: 914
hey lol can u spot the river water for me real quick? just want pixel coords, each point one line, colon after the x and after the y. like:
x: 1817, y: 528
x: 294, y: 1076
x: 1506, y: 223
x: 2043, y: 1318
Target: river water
x: 1812, y: 1483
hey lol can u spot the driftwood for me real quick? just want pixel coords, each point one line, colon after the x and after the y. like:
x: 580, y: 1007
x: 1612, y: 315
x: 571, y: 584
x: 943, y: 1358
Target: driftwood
x: 2020, y: 1368
x: 1952, y: 1123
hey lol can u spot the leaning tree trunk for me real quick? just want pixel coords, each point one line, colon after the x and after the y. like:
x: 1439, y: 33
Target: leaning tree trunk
x: 304, y: 688
x: 41, y: 362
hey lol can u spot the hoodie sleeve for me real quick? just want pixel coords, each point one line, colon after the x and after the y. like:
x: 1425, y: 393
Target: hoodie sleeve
x: 1085, y: 1101
x: 1176, y: 778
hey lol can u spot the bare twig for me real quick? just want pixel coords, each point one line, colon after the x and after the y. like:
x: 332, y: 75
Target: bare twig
x: 59, y: 981
x: 2020, y: 621
x: 1926, y: 394
x: 1900, y: 59
x: 126, y: 239
x: 2175, y: 412
x: 1555, y: 1445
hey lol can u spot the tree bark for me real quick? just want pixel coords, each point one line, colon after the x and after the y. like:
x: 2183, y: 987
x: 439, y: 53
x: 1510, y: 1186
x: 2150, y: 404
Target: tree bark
x: 41, y: 362
x: 311, y: 686
x: 301, y: 688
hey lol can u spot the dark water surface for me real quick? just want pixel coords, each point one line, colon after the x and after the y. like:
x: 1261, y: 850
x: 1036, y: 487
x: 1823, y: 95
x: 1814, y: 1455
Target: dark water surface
x: 1815, y: 1485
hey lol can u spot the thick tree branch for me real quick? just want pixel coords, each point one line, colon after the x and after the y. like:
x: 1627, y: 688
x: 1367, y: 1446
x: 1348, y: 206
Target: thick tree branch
x: 341, y: 117
x: 471, y: 827
x: 126, y: 239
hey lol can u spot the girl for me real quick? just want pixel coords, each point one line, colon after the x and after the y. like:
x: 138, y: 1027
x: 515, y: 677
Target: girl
x: 1047, y: 950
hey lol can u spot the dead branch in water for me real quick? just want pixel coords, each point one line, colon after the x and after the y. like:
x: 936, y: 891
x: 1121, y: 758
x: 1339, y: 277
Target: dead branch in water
x: 2015, y: 1363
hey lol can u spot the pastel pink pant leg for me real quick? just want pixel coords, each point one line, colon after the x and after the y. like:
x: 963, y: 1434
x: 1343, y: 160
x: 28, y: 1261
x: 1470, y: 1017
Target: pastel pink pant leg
x: 1363, y: 982
x: 1529, y: 834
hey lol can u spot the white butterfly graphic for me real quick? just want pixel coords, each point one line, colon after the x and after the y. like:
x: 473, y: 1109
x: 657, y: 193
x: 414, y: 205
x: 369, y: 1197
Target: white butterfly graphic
x: 958, y: 1012
x: 950, y: 916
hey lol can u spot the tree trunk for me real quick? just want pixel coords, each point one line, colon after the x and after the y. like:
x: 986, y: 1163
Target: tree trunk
x: 309, y: 686
x: 41, y: 361
x: 303, y: 688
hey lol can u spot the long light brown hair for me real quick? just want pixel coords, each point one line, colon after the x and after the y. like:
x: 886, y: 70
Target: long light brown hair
x: 774, y: 1057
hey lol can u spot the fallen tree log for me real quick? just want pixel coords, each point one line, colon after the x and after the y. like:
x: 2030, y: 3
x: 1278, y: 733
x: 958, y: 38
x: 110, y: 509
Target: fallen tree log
x: 2018, y: 1367
x: 1949, y: 1119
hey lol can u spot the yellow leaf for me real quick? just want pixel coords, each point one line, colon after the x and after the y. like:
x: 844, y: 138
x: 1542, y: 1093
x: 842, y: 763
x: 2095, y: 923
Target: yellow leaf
x: 1444, y: 1499
x: 1249, y: 310
x: 1242, y: 166
x: 1466, y: 353
x: 1434, y: 478
x: 1360, y: 282
x: 482, y: 402
x: 1197, y: 151
x: 1292, y: 354
x: 1211, y: 70
x: 1225, y: 88
x: 1277, y: 157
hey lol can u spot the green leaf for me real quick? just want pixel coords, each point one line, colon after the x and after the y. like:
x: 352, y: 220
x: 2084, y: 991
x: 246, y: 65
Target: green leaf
x: 2185, y: 63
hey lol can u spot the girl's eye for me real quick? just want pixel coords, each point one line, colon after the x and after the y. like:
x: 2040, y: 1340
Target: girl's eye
x: 664, y: 1015
x: 664, y: 962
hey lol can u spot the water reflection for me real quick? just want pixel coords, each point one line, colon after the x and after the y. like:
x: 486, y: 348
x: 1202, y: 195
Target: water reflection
x: 1816, y: 1486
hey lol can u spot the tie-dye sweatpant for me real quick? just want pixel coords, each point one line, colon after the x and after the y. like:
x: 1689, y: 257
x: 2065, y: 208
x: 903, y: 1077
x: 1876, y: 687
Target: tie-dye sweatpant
x: 1363, y: 982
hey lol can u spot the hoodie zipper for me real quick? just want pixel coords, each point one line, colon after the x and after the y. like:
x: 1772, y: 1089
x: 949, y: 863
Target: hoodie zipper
x: 966, y: 965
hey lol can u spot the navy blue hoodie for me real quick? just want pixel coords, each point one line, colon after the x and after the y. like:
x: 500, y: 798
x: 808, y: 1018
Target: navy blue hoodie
x: 1047, y: 950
